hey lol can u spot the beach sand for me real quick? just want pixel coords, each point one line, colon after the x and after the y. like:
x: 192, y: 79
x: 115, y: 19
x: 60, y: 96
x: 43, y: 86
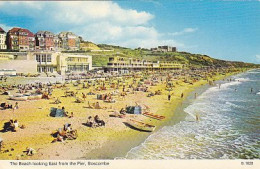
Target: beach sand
x: 113, y: 140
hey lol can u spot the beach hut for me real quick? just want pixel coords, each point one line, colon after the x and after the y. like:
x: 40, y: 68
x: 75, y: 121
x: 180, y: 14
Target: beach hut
x: 55, y: 112
x: 134, y: 110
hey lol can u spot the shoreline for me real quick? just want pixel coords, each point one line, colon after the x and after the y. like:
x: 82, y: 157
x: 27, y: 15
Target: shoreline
x: 115, y: 140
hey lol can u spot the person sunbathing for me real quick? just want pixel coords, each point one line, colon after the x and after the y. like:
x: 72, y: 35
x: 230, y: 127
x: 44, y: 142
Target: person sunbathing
x: 67, y: 127
x: 89, y: 106
x: 78, y: 100
x: 73, y: 134
x: 61, y: 132
x: 7, y: 106
x: 57, y: 101
x: 90, y: 122
x: 71, y: 115
x: 59, y: 138
x: 8, y: 126
x: 97, y: 106
x: 12, y: 125
x: 99, y: 121
x: 122, y: 111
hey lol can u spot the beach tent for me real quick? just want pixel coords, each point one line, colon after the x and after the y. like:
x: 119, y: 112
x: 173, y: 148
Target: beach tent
x: 134, y: 110
x: 55, y: 112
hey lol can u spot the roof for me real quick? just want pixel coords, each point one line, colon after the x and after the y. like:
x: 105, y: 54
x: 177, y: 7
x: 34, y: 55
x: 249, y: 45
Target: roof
x: 30, y: 34
x: 40, y: 32
x: 45, y: 33
x: 48, y: 32
x: 14, y: 29
x: 65, y: 33
x: 1, y: 30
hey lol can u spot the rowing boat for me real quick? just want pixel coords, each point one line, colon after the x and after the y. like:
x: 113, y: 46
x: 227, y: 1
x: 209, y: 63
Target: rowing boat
x: 18, y: 98
x: 154, y: 116
x: 140, y: 125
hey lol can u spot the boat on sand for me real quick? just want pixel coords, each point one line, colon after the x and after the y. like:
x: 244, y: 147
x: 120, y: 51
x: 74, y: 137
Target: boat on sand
x: 19, y: 98
x: 24, y: 97
x: 154, y: 116
x: 140, y: 125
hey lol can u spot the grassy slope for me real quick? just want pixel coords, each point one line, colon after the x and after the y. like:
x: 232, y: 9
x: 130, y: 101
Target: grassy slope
x: 195, y: 60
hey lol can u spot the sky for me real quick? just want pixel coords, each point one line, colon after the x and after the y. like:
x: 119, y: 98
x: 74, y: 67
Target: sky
x: 228, y: 30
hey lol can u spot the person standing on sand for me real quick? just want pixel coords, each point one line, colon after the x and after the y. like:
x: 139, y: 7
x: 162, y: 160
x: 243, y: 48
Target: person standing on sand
x: 197, y: 117
x: 169, y: 96
x: 16, y: 105
x: 84, y: 96
x: 182, y: 95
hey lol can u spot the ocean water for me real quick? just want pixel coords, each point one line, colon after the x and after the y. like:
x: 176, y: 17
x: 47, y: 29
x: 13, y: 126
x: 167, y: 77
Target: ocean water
x: 228, y: 125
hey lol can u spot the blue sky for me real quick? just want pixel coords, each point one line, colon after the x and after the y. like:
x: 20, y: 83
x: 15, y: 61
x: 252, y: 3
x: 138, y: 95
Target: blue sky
x: 226, y: 30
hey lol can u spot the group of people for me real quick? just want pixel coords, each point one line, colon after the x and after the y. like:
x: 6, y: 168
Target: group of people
x: 6, y: 105
x: 11, y: 125
x: 106, y: 98
x: 65, y: 133
x: 95, y: 122
x: 95, y: 106
x: 120, y: 114
x: 66, y: 113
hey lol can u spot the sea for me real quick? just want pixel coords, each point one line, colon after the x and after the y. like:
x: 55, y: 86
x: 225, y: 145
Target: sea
x: 222, y: 122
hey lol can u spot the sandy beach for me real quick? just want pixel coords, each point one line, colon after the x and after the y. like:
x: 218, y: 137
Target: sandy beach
x: 105, y: 142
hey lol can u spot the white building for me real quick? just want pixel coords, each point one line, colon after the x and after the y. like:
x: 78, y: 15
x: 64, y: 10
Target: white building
x: 2, y: 39
x: 57, y: 62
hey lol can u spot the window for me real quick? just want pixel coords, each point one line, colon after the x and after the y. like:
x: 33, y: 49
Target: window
x: 39, y: 69
x: 38, y: 58
x: 48, y: 58
x: 111, y: 59
x: 44, y: 58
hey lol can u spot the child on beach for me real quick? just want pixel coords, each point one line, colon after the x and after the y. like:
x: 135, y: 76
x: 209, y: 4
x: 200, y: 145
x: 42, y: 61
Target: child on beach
x: 16, y: 105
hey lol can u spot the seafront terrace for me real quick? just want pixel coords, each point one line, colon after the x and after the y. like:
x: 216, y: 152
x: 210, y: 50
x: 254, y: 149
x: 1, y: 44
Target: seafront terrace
x: 118, y: 63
